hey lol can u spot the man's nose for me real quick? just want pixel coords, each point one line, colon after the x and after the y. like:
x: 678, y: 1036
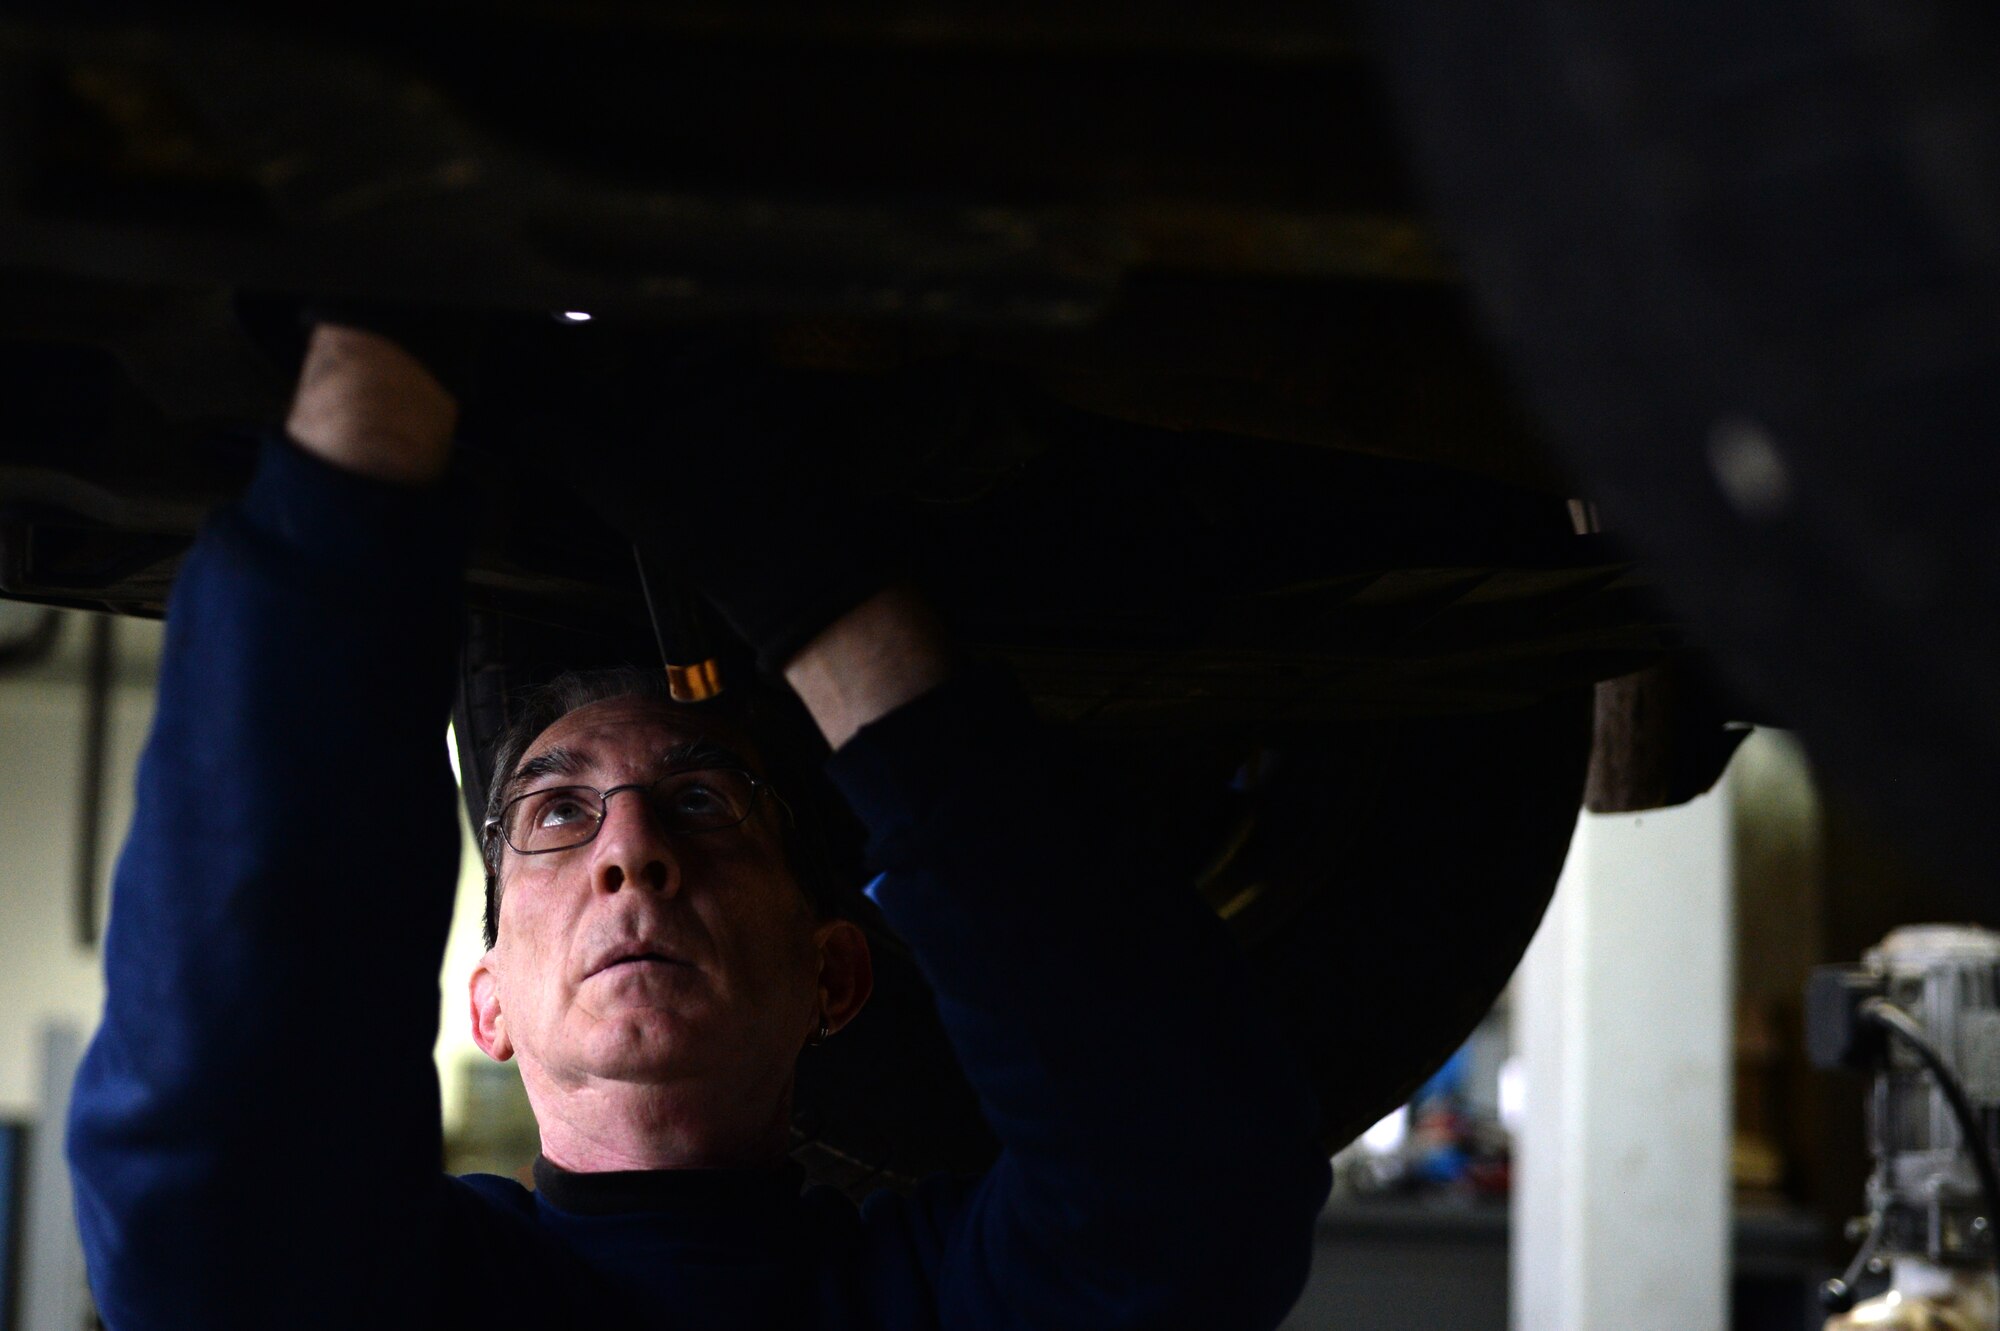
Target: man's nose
x: 630, y: 847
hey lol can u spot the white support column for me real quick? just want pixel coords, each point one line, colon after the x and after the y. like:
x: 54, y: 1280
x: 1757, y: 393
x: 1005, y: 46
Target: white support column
x: 1621, y: 1212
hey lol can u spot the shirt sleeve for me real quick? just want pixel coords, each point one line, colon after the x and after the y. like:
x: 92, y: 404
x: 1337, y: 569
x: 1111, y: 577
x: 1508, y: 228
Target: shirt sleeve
x: 278, y: 916
x: 1159, y: 1163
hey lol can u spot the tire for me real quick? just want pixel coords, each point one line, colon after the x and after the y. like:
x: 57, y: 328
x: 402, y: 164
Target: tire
x: 1744, y: 261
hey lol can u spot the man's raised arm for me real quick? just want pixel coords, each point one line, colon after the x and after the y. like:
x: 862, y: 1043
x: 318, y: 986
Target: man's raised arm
x: 1160, y: 1167
x: 254, y: 1131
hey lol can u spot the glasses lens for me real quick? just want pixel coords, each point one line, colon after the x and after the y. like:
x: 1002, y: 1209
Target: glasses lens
x: 565, y: 816
x: 552, y: 819
x: 704, y: 801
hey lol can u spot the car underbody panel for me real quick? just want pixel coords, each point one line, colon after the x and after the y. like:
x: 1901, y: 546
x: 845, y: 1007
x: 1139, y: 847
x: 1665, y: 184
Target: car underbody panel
x: 1145, y: 270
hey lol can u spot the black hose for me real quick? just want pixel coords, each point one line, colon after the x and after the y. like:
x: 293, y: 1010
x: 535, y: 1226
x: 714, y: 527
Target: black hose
x: 1893, y: 1019
x: 692, y: 673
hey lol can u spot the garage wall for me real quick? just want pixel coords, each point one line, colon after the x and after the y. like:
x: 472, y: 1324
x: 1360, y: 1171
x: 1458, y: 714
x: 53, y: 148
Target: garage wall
x: 46, y: 973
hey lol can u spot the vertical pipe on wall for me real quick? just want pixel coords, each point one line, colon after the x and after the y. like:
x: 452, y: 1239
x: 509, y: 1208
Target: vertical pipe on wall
x: 99, y: 667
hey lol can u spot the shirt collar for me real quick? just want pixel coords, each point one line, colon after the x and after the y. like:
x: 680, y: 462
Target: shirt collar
x: 744, y: 1192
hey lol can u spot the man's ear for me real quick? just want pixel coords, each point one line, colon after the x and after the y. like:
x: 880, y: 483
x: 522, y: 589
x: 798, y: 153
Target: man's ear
x: 846, y: 971
x: 489, y: 1027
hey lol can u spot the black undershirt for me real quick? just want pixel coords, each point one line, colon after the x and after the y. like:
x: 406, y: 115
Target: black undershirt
x: 626, y: 1191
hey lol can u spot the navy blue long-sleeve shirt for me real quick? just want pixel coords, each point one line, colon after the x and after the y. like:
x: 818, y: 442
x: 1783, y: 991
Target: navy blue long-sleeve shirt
x: 254, y: 1132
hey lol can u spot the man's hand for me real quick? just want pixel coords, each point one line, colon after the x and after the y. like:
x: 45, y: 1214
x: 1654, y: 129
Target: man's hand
x: 887, y: 651
x: 367, y: 406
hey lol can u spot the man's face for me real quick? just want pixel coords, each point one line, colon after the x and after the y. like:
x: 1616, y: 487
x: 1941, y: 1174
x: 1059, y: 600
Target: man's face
x: 645, y: 957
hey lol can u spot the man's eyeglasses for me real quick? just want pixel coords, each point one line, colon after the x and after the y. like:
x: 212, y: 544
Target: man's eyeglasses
x: 563, y: 817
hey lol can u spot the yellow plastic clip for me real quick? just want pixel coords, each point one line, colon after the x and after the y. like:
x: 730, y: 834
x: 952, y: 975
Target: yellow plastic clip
x: 694, y: 683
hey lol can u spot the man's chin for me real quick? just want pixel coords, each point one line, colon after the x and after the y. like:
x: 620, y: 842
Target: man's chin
x: 642, y: 1044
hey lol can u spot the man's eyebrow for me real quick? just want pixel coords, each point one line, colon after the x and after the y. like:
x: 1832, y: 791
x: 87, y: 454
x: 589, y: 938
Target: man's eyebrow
x: 552, y: 761
x: 700, y: 753
x: 558, y: 760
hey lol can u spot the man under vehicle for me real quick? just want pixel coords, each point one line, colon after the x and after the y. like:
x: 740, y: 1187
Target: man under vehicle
x: 254, y: 1131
